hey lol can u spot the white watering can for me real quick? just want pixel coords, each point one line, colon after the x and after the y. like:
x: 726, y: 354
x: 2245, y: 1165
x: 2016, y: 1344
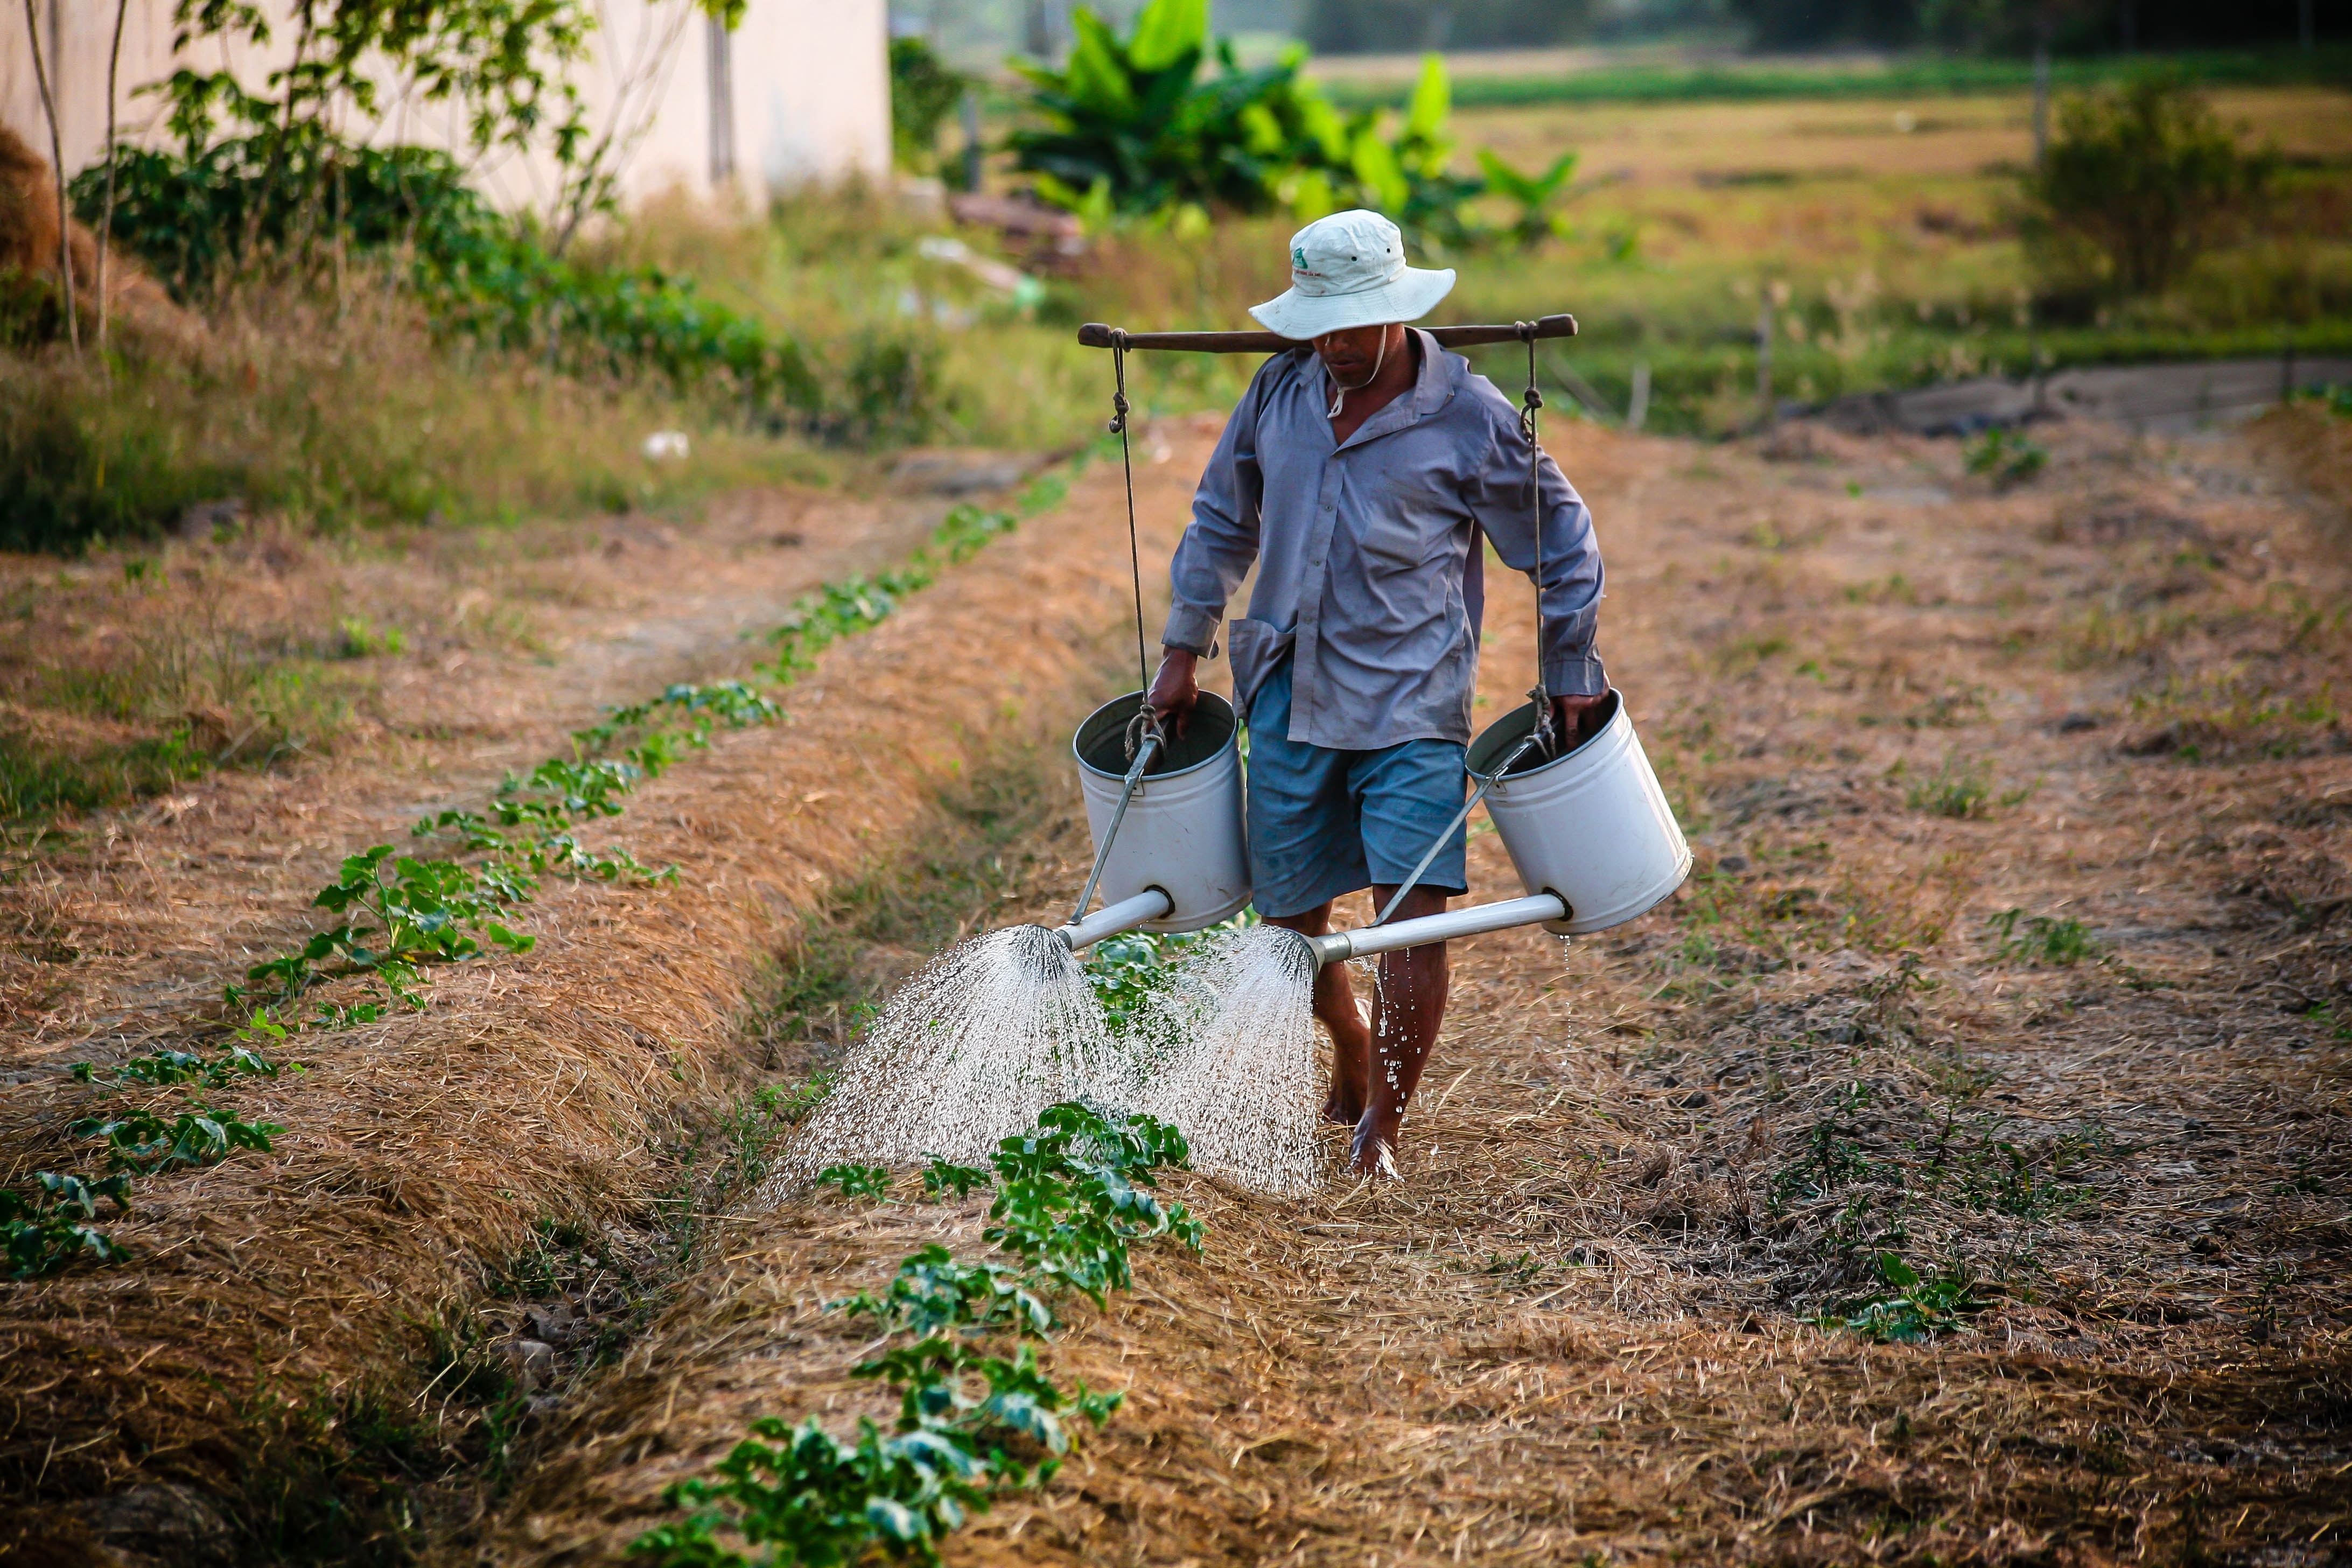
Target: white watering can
x: 1171, y: 851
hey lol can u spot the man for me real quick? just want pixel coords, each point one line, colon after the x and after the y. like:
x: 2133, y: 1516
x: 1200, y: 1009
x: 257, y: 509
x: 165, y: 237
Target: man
x: 1359, y: 472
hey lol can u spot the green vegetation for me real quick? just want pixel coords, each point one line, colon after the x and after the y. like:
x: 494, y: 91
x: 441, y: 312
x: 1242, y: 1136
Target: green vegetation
x: 406, y: 915
x: 50, y: 1225
x: 1072, y: 1197
x: 2045, y: 938
x: 1128, y: 971
x: 1962, y: 790
x: 842, y: 609
x: 1131, y: 126
x: 923, y: 93
x: 2005, y: 456
x: 1922, y: 1310
x: 1920, y: 76
x: 2139, y: 181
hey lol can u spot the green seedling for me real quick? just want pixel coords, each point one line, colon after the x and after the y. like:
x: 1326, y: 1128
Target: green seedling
x: 2005, y: 456
x: 2044, y: 939
x: 856, y: 1181
x: 1955, y: 791
x: 405, y: 915
x: 943, y: 1177
x: 1830, y: 1158
x: 1072, y: 1196
x: 142, y: 1142
x: 1922, y: 1310
x: 166, y: 1067
x: 48, y: 1229
x: 1128, y: 971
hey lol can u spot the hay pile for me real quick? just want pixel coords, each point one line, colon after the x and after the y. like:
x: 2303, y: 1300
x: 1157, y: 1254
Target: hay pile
x: 275, y: 1296
x: 28, y: 251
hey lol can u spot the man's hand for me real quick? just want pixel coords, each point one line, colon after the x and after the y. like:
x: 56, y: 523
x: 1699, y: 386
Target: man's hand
x: 1579, y: 717
x: 1176, y: 687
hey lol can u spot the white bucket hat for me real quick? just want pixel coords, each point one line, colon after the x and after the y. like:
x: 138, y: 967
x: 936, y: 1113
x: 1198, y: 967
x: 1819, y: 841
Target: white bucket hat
x: 1348, y: 270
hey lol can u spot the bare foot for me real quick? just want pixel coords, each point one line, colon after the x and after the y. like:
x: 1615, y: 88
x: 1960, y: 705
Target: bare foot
x: 1343, y: 1109
x: 1374, y: 1152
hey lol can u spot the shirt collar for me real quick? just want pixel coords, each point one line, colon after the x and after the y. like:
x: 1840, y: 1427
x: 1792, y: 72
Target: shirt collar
x: 1432, y: 385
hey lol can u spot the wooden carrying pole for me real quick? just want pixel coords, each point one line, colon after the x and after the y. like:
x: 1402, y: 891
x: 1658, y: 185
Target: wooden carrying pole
x: 1095, y: 335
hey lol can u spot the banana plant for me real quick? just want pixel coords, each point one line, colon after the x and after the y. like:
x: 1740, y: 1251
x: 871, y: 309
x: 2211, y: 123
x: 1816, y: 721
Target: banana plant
x: 1165, y: 118
x: 1534, y: 194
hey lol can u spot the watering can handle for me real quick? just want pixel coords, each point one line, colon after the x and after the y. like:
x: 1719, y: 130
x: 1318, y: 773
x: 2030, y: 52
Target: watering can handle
x: 1096, y: 335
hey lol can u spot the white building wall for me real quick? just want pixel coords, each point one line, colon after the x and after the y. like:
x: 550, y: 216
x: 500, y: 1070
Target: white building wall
x: 806, y: 91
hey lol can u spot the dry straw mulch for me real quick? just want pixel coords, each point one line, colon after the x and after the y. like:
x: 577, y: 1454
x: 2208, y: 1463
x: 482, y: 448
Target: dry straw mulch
x: 273, y: 1296
x: 1576, y: 1331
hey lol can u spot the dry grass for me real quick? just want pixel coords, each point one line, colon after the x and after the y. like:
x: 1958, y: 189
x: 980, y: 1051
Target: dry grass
x: 1573, y: 1332
x: 336, y: 1278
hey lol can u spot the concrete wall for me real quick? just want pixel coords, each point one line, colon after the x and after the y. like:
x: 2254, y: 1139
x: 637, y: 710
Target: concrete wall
x: 802, y: 96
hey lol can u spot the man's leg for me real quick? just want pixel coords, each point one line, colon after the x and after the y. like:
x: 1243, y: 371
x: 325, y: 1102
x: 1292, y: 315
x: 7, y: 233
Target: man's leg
x: 1407, y: 1009
x: 1335, y: 1004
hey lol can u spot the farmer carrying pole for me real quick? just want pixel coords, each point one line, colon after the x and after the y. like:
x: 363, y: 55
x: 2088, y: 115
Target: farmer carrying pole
x: 1361, y: 471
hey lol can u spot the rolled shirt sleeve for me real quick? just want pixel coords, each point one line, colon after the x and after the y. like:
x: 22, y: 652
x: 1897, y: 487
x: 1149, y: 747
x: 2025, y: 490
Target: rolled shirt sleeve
x: 1223, y: 540
x: 1572, y: 580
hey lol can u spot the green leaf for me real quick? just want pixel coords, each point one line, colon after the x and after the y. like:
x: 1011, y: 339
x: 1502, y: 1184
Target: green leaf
x: 1896, y: 1272
x: 1377, y: 167
x: 1432, y: 101
x: 1167, y: 31
x: 1096, y: 75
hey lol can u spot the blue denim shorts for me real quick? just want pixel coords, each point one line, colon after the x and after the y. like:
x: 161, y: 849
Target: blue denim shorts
x: 1324, y: 821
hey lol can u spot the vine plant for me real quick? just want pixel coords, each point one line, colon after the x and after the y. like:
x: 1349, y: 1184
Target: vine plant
x: 400, y: 916
x: 974, y: 1420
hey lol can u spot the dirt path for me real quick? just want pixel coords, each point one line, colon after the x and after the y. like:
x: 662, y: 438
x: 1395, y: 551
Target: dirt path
x: 512, y: 640
x: 2108, y: 1131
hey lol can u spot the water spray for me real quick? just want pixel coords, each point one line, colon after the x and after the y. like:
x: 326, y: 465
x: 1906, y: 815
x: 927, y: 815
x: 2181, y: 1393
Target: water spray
x: 999, y: 1026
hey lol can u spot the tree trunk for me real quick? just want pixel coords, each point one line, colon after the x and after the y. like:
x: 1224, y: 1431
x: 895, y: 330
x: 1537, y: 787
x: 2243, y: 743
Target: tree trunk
x: 106, y: 221
x: 57, y: 162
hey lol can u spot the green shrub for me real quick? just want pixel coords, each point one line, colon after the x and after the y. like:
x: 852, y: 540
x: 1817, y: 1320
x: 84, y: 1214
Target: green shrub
x: 70, y: 477
x: 204, y: 214
x: 1134, y: 126
x: 923, y: 93
x: 2044, y: 939
x: 2007, y: 458
x: 2138, y: 182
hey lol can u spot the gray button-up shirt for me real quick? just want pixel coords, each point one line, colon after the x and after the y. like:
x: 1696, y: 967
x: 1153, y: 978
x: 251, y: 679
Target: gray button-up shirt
x: 1372, y: 571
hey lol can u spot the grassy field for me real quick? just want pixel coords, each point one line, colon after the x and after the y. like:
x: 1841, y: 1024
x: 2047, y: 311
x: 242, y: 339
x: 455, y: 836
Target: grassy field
x: 1665, y: 75
x: 1882, y: 227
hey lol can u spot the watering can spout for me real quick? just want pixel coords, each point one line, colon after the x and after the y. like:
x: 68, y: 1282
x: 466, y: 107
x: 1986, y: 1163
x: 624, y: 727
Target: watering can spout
x: 1341, y: 946
x: 1147, y: 906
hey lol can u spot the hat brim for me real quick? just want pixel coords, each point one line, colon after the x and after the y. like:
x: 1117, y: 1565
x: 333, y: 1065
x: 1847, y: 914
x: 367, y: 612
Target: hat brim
x: 1408, y: 296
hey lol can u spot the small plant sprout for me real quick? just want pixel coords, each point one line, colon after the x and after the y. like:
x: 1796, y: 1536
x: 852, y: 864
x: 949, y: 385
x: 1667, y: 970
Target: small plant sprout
x: 2007, y: 458
x: 943, y: 1177
x: 1919, y: 1309
x: 2043, y: 939
x: 856, y: 1181
x: 403, y: 916
x: 47, y: 1228
x: 142, y: 1142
